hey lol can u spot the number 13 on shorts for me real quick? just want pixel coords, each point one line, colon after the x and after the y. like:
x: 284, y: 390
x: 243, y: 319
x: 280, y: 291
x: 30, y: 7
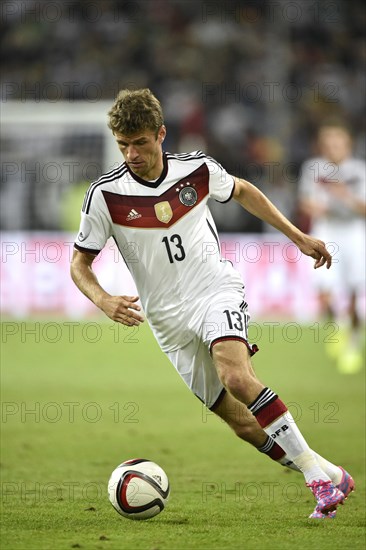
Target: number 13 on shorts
x: 235, y: 320
x: 227, y: 320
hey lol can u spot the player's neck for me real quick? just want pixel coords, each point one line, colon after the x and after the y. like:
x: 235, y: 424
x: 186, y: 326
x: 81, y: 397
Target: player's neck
x: 337, y: 160
x: 155, y: 171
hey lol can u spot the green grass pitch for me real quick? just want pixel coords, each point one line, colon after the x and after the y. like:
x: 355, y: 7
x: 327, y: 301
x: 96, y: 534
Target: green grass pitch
x: 79, y: 398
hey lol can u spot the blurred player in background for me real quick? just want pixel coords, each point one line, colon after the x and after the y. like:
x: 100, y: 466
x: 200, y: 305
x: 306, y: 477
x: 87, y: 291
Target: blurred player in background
x: 333, y: 195
x: 154, y: 205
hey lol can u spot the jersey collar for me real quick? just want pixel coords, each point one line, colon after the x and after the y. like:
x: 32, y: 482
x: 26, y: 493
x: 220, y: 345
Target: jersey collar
x: 156, y: 183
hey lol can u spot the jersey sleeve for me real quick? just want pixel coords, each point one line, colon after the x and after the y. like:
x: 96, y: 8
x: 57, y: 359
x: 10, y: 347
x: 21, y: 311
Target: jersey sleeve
x: 94, y: 228
x: 221, y: 184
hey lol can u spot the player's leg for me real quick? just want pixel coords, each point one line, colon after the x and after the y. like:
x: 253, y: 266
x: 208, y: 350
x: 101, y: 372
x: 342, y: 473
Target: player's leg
x: 245, y: 426
x: 195, y: 366
x: 326, y: 308
x: 356, y: 324
x: 352, y: 359
x: 352, y: 311
x: 232, y: 361
x: 328, y: 286
x: 240, y: 419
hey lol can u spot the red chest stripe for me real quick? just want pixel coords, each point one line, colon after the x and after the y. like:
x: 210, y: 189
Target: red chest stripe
x: 143, y: 211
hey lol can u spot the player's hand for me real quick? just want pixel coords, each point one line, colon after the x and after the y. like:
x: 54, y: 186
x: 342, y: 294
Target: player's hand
x: 317, y: 250
x: 123, y: 309
x: 339, y: 191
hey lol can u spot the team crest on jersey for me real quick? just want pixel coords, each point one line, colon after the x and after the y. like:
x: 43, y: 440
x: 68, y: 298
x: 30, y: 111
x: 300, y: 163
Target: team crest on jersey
x: 188, y: 196
x: 163, y: 211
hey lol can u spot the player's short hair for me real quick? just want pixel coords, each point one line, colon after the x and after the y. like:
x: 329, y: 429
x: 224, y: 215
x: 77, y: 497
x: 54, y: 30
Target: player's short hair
x: 335, y: 124
x: 134, y: 111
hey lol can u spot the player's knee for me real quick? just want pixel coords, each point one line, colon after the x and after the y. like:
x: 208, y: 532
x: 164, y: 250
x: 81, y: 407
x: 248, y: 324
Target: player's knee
x: 234, y: 381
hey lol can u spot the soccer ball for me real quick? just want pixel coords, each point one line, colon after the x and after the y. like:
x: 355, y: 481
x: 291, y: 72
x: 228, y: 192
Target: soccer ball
x: 138, y: 489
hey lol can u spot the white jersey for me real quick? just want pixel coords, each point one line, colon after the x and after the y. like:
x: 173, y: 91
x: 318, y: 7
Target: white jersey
x: 341, y: 228
x: 167, y: 237
x: 316, y: 174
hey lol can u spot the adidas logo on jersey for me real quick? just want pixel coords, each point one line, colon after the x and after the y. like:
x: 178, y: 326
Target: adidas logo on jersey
x: 133, y: 215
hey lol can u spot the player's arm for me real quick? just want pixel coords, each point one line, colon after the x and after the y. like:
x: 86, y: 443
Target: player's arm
x: 312, y: 208
x: 342, y: 192
x: 255, y: 202
x: 122, y: 309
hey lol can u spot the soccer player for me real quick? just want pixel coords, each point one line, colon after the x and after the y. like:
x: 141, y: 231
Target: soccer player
x: 154, y: 205
x: 333, y: 194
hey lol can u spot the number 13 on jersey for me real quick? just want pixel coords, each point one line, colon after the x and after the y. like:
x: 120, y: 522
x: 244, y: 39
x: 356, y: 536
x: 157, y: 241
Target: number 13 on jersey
x: 174, y: 248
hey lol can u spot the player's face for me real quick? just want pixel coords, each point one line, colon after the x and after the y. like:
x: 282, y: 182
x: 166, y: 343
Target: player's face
x: 142, y: 152
x: 334, y: 144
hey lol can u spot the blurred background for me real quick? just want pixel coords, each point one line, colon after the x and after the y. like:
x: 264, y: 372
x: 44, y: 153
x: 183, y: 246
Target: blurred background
x: 247, y: 82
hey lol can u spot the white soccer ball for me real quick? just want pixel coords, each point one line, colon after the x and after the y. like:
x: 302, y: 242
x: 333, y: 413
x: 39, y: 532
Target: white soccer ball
x: 138, y: 489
